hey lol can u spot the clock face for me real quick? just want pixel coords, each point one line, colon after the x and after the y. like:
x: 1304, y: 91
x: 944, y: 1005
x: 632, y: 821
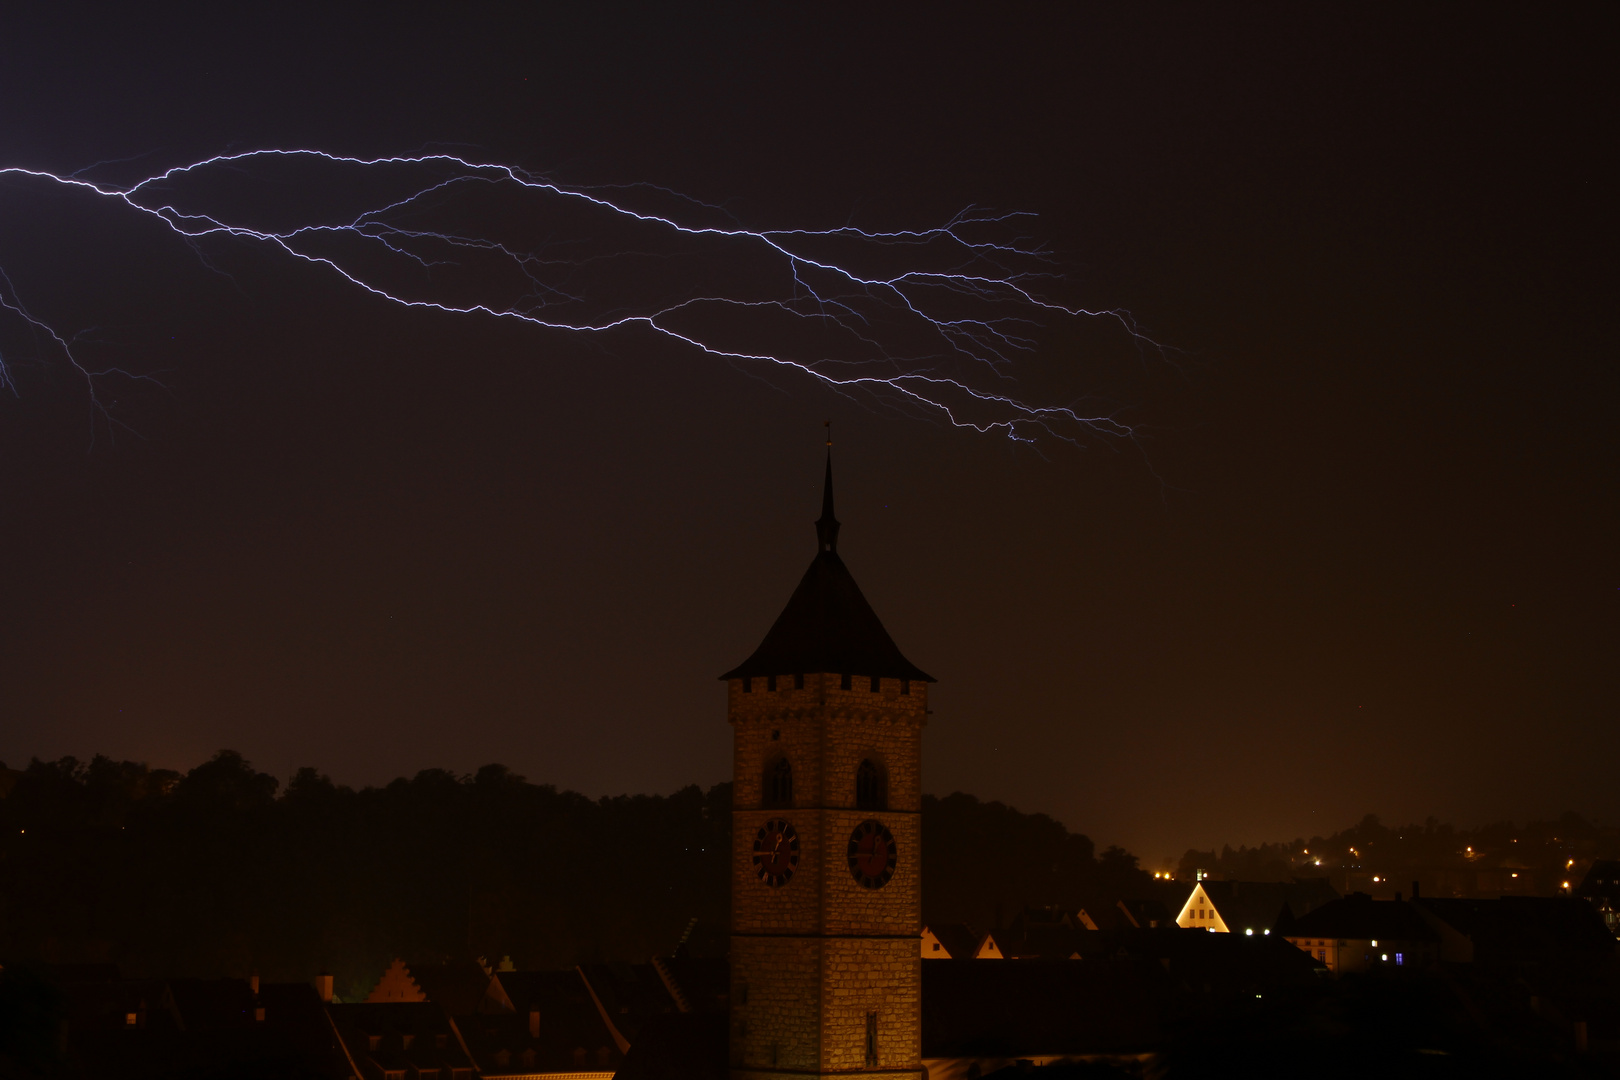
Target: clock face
x: 776, y: 852
x: 872, y: 854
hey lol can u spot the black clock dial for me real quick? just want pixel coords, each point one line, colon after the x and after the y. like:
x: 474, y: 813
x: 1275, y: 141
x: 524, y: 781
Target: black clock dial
x: 776, y: 852
x: 872, y: 854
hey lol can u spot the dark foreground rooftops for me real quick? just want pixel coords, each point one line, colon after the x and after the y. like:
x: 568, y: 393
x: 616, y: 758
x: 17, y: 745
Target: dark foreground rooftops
x: 1524, y: 927
x: 401, y: 1037
x: 1358, y: 917
x: 1257, y: 906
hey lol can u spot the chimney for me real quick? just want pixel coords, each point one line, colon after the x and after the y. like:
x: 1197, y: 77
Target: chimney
x: 1397, y: 897
x: 534, y: 1023
x: 1414, y: 890
x: 323, y: 987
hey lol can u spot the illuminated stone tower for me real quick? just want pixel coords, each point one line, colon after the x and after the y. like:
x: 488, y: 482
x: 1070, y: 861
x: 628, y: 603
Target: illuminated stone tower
x: 826, y: 838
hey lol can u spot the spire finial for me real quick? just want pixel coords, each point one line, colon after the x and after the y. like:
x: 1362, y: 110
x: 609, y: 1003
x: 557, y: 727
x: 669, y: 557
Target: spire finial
x: 827, y: 527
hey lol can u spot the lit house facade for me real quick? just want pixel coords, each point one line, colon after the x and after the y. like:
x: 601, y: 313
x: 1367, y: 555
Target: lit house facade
x: 1250, y: 907
x: 1200, y: 912
x: 1359, y: 933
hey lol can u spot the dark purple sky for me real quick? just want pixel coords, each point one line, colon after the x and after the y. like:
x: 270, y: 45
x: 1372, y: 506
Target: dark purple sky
x: 1363, y: 561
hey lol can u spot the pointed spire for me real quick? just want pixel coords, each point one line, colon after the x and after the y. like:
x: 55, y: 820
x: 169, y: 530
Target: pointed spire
x: 827, y: 626
x: 827, y: 527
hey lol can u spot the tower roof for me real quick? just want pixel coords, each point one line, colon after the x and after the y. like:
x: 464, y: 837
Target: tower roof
x: 827, y: 625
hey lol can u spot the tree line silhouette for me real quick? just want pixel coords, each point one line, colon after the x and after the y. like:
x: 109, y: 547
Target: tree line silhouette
x: 224, y: 871
x: 1541, y: 857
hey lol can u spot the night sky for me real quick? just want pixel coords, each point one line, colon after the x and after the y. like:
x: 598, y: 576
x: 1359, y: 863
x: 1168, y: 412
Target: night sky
x: 1361, y: 556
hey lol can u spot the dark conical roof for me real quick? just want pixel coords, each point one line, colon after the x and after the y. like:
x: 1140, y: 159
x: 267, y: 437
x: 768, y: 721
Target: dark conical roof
x: 827, y: 625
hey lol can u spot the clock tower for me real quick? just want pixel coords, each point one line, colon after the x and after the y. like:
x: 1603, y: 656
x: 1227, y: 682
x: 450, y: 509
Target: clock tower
x: 827, y: 718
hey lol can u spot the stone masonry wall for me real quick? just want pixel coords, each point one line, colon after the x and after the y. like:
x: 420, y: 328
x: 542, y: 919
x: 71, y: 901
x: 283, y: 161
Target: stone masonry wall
x: 871, y: 975
x: 812, y: 958
x: 775, y: 995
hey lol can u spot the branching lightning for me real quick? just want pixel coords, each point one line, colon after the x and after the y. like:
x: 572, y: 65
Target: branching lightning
x: 934, y: 320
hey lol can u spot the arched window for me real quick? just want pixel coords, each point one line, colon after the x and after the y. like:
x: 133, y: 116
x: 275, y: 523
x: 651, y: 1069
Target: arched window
x: 870, y: 791
x: 779, y: 783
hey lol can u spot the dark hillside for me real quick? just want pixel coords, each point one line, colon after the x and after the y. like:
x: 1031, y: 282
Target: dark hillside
x: 222, y: 871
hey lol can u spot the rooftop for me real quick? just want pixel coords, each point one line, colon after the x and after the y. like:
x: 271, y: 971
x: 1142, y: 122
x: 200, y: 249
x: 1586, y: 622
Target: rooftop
x: 827, y: 625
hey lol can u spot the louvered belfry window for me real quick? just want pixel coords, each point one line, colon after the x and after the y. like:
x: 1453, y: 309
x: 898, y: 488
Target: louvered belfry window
x: 779, y: 783
x: 869, y: 787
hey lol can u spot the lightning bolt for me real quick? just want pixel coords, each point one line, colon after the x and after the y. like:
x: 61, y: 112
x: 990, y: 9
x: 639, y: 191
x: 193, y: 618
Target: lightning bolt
x: 932, y: 320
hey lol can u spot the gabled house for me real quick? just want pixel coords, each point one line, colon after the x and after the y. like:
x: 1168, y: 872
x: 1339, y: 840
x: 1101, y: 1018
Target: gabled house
x: 396, y: 984
x: 949, y: 941
x: 401, y: 1040
x: 700, y: 984
x: 1145, y: 914
x: 1041, y: 933
x: 461, y: 989
x: 1250, y: 907
x: 1358, y: 933
x: 1132, y: 914
x: 1601, y: 889
x: 555, y: 1029
x: 1103, y: 918
x: 1517, y: 930
x: 980, y: 1018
